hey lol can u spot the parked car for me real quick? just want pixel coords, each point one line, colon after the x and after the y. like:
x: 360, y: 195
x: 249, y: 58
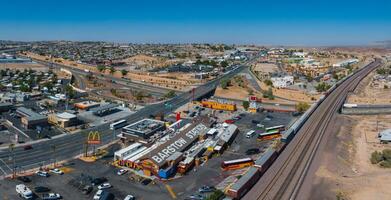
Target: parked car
x: 130, y: 197
x: 205, y: 189
x: 87, y: 189
x: 40, y: 189
x: 57, y: 171
x: 42, y: 173
x: 104, y: 186
x: 255, y: 121
x: 98, y: 194
x: 122, y: 172
x: 24, y: 179
x: 195, y: 197
x: 51, y: 196
x: 27, y: 147
x: 146, y: 181
x: 98, y: 181
x: 252, y: 151
x: 229, y: 121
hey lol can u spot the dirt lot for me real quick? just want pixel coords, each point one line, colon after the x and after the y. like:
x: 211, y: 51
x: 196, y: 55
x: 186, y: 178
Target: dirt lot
x: 346, y: 169
x: 367, y: 94
x: 22, y: 66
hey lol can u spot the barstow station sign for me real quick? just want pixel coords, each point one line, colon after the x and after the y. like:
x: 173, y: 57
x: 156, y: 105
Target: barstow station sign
x: 179, y: 143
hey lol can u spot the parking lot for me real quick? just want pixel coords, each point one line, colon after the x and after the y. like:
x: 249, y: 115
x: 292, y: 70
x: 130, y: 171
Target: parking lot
x: 79, y: 173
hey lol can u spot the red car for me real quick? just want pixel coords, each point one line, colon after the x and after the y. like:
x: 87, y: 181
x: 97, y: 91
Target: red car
x: 28, y: 147
x: 229, y: 121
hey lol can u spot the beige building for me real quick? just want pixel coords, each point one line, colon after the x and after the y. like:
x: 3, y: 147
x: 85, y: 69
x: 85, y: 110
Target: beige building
x: 63, y: 120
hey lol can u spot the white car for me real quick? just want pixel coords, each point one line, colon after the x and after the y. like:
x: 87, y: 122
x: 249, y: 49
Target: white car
x: 104, y: 186
x: 57, y: 171
x: 51, y: 196
x: 130, y: 197
x: 122, y: 172
x: 98, y: 194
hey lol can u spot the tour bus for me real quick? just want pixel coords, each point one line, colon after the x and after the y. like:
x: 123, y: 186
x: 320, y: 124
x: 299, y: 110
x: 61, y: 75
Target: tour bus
x: 271, y: 134
x: 279, y: 127
x: 118, y: 124
x: 250, y: 134
x: 237, y: 164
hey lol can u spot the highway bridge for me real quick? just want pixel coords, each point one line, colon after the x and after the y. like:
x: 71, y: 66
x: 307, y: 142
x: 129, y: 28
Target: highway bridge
x: 291, y: 174
x: 69, y: 146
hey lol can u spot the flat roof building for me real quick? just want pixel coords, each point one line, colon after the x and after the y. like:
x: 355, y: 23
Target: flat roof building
x: 143, y: 129
x: 31, y: 119
x: 63, y: 120
x: 104, y: 109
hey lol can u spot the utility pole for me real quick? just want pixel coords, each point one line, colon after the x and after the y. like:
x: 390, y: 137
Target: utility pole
x: 11, y: 148
x: 53, y: 147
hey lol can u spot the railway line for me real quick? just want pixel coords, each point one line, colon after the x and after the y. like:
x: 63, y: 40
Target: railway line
x: 286, y: 176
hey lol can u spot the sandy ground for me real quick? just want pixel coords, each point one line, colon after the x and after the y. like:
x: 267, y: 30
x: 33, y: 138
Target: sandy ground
x: 265, y: 67
x: 346, y: 169
x: 22, y: 66
x: 145, y: 60
x: 370, y: 95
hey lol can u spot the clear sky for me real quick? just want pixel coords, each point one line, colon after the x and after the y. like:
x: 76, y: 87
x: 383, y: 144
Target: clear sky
x: 273, y: 22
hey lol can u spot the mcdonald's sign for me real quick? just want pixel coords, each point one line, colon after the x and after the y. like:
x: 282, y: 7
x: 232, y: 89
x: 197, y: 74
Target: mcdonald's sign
x: 93, y: 137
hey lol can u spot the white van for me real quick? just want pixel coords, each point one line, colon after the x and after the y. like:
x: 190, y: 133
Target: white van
x: 250, y: 134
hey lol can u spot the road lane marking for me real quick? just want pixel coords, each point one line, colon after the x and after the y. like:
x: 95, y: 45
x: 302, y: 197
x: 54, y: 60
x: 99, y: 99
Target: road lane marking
x: 6, y: 165
x: 172, y: 193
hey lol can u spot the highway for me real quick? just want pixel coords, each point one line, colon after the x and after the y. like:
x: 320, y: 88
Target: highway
x: 290, y: 176
x: 154, y: 90
x: 71, y: 145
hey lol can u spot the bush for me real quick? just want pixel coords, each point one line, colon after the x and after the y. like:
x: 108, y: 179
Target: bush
x: 268, y: 82
x: 216, y: 195
x: 386, y: 164
x: 245, y: 104
x: 387, y: 154
x: 302, y: 107
x: 376, y: 157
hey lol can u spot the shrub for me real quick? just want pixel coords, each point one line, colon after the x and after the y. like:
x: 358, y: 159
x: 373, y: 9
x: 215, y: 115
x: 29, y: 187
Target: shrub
x: 376, y: 157
x: 387, y: 154
x: 386, y: 164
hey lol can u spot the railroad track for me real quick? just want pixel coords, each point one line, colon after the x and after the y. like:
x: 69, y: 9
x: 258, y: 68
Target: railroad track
x: 284, y: 178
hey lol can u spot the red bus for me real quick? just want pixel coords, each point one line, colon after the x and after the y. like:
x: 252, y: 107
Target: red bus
x: 237, y: 164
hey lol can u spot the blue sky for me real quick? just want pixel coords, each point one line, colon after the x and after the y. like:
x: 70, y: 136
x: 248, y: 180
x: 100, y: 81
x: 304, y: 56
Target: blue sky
x: 315, y: 22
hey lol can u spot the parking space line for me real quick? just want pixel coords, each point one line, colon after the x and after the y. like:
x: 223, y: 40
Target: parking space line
x: 172, y: 193
x: 3, y: 171
x: 6, y: 165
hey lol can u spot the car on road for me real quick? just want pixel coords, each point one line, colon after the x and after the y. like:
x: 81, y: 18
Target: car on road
x: 104, y: 186
x: 205, y: 189
x: 129, y: 197
x: 27, y: 147
x: 260, y: 126
x: 98, y: 194
x: 40, y: 189
x: 98, y: 181
x: 24, y: 179
x: 87, y: 189
x: 51, y: 196
x: 122, y: 172
x: 255, y: 121
x: 252, y: 151
x: 42, y: 173
x: 57, y: 171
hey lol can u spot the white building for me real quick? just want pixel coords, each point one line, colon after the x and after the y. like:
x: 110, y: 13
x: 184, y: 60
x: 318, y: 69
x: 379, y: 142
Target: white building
x: 282, y: 82
x: 345, y: 62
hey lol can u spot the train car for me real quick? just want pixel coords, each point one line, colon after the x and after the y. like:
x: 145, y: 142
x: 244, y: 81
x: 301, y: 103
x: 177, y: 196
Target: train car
x: 237, y: 164
x: 265, y: 160
x: 287, y: 135
x: 244, y: 184
x: 269, y: 135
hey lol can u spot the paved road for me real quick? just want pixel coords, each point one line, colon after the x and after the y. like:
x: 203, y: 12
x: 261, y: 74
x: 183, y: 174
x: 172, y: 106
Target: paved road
x: 125, y: 82
x: 69, y: 146
x: 289, y: 176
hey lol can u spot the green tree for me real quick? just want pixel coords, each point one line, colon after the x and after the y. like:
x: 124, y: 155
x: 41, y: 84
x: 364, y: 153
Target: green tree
x: 245, y: 104
x: 302, y: 106
x: 70, y: 91
x: 268, y: 94
x: 322, y: 87
x: 387, y: 154
x: 112, y: 70
x: 268, y: 82
x: 124, y: 72
x: 216, y: 195
x: 170, y: 94
x: 224, y: 64
x: 101, y: 68
x: 224, y: 83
